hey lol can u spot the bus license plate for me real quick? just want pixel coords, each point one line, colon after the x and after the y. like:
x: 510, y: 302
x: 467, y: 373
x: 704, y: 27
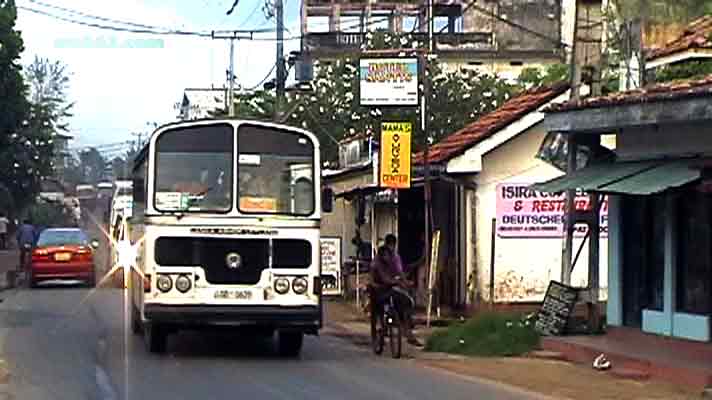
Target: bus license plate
x: 233, y: 294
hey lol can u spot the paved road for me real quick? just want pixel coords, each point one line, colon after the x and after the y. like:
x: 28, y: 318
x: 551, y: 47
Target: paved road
x: 59, y: 348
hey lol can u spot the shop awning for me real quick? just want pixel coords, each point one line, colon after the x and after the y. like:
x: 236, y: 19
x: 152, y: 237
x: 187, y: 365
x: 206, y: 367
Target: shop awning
x: 638, y: 178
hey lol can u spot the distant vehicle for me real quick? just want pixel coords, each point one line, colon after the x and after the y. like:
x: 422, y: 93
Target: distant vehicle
x: 87, y: 196
x: 51, y: 191
x: 63, y: 253
x: 121, y: 204
x: 105, y: 190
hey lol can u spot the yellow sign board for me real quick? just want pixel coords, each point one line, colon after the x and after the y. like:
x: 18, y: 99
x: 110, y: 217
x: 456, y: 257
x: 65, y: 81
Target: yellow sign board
x: 395, y: 155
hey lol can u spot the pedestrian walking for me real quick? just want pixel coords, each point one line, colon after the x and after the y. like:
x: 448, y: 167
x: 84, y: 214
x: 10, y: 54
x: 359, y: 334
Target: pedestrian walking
x: 4, y: 222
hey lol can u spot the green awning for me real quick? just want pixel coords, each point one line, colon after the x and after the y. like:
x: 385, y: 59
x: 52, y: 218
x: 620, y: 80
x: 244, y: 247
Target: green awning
x: 641, y: 177
x: 669, y: 175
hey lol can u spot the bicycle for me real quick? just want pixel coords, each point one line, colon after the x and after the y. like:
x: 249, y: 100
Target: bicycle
x: 387, y: 324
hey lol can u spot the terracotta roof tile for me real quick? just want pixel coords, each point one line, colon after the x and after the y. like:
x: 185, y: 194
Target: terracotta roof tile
x: 665, y: 91
x: 695, y: 36
x: 487, y: 125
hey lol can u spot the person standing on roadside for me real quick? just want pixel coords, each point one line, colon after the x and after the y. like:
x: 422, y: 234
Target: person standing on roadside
x: 4, y: 222
x: 26, y: 236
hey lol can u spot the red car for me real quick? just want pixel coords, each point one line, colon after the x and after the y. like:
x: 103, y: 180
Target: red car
x: 63, y: 253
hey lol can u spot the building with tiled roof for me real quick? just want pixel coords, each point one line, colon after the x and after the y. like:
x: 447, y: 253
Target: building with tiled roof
x: 659, y: 190
x: 676, y: 90
x: 484, y: 173
x: 695, y: 42
x: 487, y: 125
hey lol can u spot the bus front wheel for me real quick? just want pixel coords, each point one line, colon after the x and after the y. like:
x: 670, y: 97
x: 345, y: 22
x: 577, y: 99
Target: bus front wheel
x: 155, y: 337
x: 290, y: 343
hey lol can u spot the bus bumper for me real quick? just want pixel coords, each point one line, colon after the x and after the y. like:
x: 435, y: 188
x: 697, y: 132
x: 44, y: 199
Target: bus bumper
x: 307, y: 319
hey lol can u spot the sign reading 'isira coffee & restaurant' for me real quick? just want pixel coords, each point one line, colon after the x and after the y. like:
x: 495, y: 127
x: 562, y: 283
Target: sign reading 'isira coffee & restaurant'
x: 524, y: 212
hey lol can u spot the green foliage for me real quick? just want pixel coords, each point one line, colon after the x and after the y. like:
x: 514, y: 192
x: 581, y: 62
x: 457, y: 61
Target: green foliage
x: 693, y: 69
x: 487, y: 335
x: 49, y: 215
x: 332, y: 111
x: 535, y: 77
x: 92, y: 165
x: 13, y: 105
x: 121, y: 167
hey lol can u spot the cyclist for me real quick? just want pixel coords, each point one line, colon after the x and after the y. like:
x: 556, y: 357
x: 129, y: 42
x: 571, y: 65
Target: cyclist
x: 26, y: 236
x: 388, y: 279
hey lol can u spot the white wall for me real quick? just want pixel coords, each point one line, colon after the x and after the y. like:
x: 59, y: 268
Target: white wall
x: 523, y: 266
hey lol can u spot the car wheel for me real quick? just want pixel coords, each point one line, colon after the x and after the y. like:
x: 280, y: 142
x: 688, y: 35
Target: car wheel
x: 290, y: 343
x: 155, y: 338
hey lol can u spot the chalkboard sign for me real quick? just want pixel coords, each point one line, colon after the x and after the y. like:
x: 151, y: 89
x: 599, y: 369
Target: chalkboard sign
x: 558, y: 305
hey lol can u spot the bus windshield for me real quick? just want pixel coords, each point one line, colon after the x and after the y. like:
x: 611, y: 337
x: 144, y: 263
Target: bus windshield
x: 275, y: 170
x: 194, y: 169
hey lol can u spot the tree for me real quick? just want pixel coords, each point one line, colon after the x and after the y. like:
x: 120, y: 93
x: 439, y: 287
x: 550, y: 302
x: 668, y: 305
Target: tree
x: 32, y: 146
x: 49, y: 82
x: 92, y: 166
x: 535, y: 77
x: 14, y: 106
x: 332, y: 110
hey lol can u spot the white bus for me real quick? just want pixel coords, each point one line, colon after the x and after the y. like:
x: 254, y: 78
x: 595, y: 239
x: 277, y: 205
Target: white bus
x: 230, y: 213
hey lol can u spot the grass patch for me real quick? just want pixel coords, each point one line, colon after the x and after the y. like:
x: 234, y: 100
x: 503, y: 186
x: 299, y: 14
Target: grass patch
x: 487, y: 335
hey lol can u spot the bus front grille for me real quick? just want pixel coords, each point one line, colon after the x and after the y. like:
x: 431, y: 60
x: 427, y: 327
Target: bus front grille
x: 211, y: 254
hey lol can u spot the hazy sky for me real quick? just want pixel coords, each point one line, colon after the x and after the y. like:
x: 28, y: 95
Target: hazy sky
x: 118, y: 90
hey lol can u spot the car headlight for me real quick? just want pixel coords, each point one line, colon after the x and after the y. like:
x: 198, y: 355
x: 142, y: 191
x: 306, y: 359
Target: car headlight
x: 164, y: 283
x: 300, y: 285
x: 183, y: 283
x: 281, y: 285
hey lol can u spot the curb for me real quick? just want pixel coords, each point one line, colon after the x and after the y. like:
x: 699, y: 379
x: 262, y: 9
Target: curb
x: 360, y: 339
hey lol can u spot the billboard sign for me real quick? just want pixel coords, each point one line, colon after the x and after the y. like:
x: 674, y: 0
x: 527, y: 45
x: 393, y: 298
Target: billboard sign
x: 331, y: 266
x: 394, y: 163
x: 388, y: 81
x: 524, y: 212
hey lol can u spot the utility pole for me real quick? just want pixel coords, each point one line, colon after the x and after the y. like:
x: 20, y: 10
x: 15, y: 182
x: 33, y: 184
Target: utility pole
x: 280, y: 59
x: 231, y: 81
x: 426, y: 152
x: 571, y: 150
x: 231, y: 36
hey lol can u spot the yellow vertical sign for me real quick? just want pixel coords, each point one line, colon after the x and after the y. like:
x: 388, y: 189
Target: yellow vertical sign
x: 395, y: 155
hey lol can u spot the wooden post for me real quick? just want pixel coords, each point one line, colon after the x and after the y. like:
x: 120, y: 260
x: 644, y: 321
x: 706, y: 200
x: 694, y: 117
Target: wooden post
x: 492, y: 261
x: 594, y: 229
x: 575, y: 82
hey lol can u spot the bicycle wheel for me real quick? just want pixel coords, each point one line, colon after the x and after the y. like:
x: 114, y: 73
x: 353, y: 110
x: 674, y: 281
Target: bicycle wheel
x: 377, y: 331
x: 395, y: 334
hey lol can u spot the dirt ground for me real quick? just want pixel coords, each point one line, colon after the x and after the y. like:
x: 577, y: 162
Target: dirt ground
x: 561, y: 380
x: 554, y: 378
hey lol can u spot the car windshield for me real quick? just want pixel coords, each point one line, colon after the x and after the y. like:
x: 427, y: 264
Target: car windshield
x: 61, y: 238
x: 194, y: 169
x: 276, y: 171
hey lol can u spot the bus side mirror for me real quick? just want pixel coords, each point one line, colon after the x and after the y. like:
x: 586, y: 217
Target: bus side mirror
x: 327, y: 200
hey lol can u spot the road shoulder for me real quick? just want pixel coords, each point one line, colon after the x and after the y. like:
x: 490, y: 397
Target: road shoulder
x: 539, y: 378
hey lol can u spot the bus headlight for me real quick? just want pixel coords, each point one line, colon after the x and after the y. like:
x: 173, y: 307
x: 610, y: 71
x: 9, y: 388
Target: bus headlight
x: 300, y: 285
x: 281, y: 285
x: 164, y: 283
x: 183, y: 283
